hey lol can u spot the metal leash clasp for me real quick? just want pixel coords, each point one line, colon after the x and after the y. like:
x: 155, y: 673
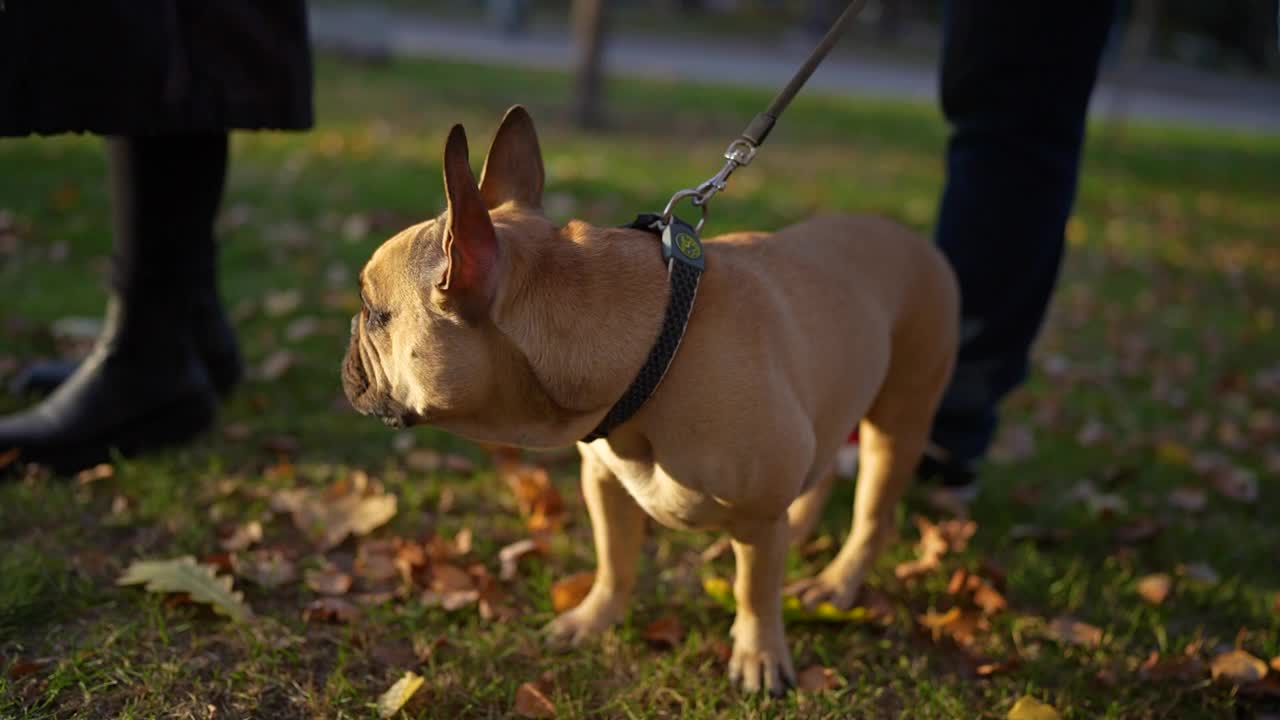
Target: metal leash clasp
x: 740, y: 152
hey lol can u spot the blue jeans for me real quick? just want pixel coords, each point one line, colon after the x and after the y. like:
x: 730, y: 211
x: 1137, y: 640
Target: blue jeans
x: 1016, y: 79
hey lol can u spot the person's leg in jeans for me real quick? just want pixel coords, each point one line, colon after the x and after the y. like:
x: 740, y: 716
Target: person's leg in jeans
x: 1016, y: 81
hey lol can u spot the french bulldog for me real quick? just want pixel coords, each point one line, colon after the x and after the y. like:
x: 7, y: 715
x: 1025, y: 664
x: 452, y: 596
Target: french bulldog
x: 494, y: 323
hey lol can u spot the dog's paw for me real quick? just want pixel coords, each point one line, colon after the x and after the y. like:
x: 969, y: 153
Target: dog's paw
x: 585, y: 621
x: 760, y: 660
x: 822, y: 588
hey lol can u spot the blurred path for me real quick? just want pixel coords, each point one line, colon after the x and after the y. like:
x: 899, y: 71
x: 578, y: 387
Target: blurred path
x: 1154, y: 93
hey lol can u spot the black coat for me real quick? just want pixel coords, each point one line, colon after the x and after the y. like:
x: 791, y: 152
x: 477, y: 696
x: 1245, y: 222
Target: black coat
x: 138, y: 67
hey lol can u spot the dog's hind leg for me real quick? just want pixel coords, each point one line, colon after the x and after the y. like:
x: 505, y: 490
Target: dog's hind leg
x: 893, y: 436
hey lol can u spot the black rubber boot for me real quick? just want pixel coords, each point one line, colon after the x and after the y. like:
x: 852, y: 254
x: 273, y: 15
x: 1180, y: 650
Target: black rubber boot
x: 145, y: 384
x: 215, y: 344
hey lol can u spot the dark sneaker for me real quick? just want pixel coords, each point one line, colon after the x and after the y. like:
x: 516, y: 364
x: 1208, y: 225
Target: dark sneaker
x: 953, y: 482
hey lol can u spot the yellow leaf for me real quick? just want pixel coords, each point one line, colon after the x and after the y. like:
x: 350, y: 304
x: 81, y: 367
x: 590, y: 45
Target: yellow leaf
x: 1173, y: 453
x: 398, y: 694
x: 184, y: 575
x: 1029, y: 708
x: 793, y: 610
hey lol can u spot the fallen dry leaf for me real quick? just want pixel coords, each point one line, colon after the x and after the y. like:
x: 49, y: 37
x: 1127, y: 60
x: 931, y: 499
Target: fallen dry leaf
x: 1099, y: 503
x: 353, y: 506
x: 1139, y: 529
x: 330, y: 609
x: 538, y: 499
x: 1178, y: 667
x: 989, y: 599
x: 423, y: 460
x: 1014, y: 443
x: 532, y: 702
x: 1092, y: 433
x: 281, y: 302
x: 101, y: 471
x: 375, y: 561
x: 267, y: 568
x: 1275, y: 663
x: 9, y: 457
x: 462, y: 541
x: 1237, y: 667
x: 665, y: 631
x: 93, y: 564
x: 1155, y: 588
x: 1236, y: 483
x: 1029, y: 708
x: 459, y: 463
x: 184, y: 575
x: 220, y: 561
x: 450, y: 587
x: 21, y: 668
x: 936, y: 622
x: 242, y: 536
x: 301, y: 329
x: 509, y: 557
x: 817, y: 678
x: 424, y: 647
x: 275, y: 366
x: 1200, y: 572
x: 1073, y: 632
x: 328, y: 580
x: 935, y: 541
x: 446, y: 577
x: 567, y: 593
x: 1191, y: 499
x: 1173, y: 453
x: 996, y: 668
x: 398, y: 694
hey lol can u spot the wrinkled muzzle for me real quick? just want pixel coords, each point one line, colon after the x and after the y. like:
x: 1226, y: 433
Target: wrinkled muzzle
x: 355, y: 379
x: 362, y: 392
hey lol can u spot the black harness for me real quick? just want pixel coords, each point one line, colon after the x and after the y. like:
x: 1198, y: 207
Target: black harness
x: 683, y: 252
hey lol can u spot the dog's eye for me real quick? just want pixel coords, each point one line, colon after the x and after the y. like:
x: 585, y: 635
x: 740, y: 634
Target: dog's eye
x: 375, y: 318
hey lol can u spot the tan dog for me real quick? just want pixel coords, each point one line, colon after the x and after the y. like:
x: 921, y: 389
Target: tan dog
x: 493, y: 323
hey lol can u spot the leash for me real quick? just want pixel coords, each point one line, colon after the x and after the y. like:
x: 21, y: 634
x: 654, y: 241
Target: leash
x: 743, y: 148
x: 682, y: 246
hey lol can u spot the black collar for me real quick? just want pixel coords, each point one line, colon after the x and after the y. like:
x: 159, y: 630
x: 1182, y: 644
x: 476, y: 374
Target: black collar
x: 682, y: 250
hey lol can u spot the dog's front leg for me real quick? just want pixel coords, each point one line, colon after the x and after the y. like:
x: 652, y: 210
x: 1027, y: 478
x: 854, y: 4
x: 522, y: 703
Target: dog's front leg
x: 760, y: 657
x: 617, y: 524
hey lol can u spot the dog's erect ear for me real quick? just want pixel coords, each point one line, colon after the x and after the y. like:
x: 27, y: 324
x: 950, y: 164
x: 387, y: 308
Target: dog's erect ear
x: 470, y: 243
x: 513, y: 168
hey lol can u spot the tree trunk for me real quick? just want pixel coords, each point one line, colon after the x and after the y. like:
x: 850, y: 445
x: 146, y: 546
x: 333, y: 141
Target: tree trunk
x: 589, y: 38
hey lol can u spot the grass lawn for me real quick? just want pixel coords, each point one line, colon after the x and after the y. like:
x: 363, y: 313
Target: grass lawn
x: 1157, y: 380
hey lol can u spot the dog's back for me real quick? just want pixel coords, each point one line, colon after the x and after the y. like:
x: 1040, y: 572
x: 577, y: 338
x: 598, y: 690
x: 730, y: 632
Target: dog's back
x: 807, y: 322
